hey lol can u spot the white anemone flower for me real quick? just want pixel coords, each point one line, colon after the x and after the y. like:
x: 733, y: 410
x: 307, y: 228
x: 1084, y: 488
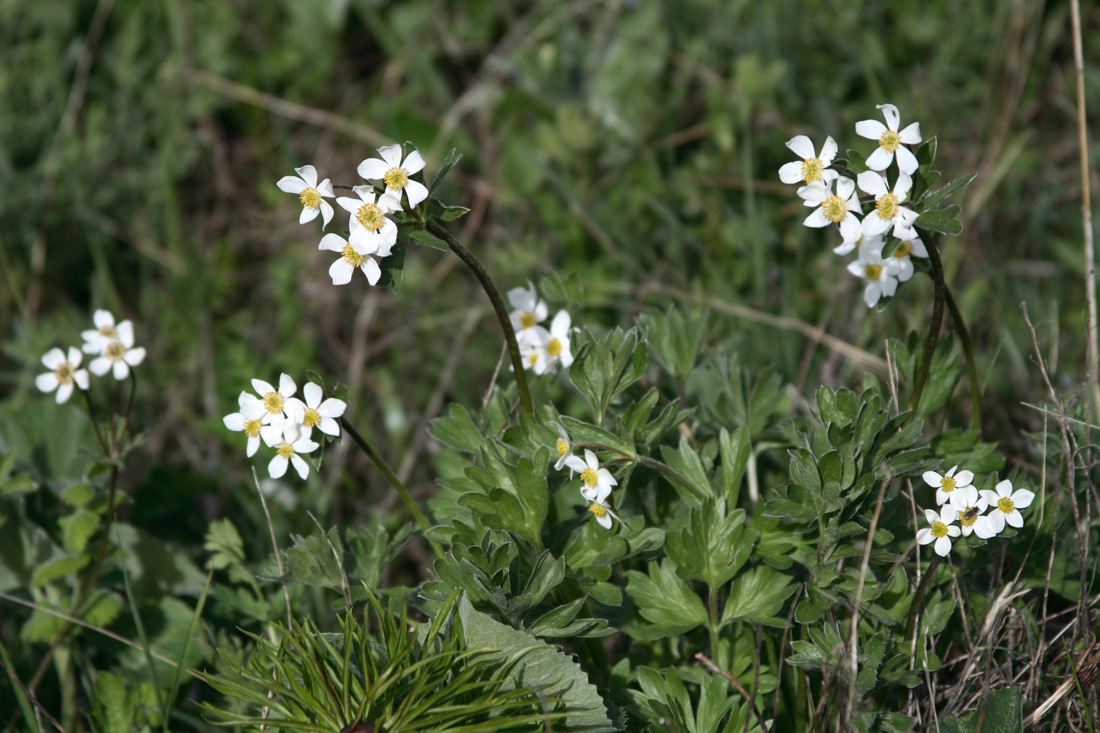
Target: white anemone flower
x: 368, y: 214
x: 946, y: 483
x: 395, y: 174
x: 104, y: 332
x: 529, y: 311
x: 118, y: 355
x: 872, y: 268
x: 310, y: 193
x: 64, y: 376
x: 355, y: 254
x: 318, y: 414
x: 870, y: 240
x: 970, y: 506
x: 594, y: 480
x: 838, y: 208
x: 812, y: 167
x: 565, y: 448
x: 600, y: 509
x: 1004, y: 507
x: 543, y: 350
x: 888, y: 205
x: 276, y: 402
x: 891, y: 141
x: 940, y: 529
x: 248, y: 420
x: 900, y: 263
x: 288, y: 448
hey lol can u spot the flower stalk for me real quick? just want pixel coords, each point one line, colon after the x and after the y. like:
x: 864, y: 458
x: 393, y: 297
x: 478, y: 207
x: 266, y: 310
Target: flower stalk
x: 935, y: 324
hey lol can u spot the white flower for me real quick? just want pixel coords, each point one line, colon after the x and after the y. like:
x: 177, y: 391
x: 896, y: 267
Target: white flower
x: 969, y: 506
x: 600, y: 509
x: 833, y: 208
x: 812, y: 167
x: 948, y: 482
x: 310, y: 193
x: 119, y: 354
x: 543, y: 350
x: 287, y: 448
x: 900, y: 263
x: 369, y: 215
x: 871, y: 267
x: 318, y: 414
x: 594, y: 480
x: 395, y: 174
x: 63, y: 373
x: 888, y: 209
x: 529, y: 310
x: 940, y: 529
x: 890, y: 141
x: 564, y: 446
x: 873, y: 241
x: 276, y: 402
x: 104, y: 332
x: 249, y: 420
x: 1004, y: 507
x: 357, y: 253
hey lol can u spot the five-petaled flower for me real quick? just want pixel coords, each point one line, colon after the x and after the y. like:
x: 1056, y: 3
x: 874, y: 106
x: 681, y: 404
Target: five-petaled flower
x: 318, y: 414
x: 947, y: 483
x: 543, y: 350
x: 900, y: 262
x: 872, y: 268
x: 118, y: 354
x: 564, y: 446
x: 358, y: 252
x: 276, y: 402
x: 529, y: 311
x: 594, y: 480
x: 838, y: 208
x: 599, y: 507
x: 888, y: 205
x: 311, y: 193
x: 64, y: 376
x: 940, y: 529
x: 395, y: 174
x: 812, y: 167
x: 969, y: 505
x: 1004, y: 507
x: 891, y: 142
x: 105, y: 331
x: 288, y: 443
x: 368, y: 214
x: 248, y: 420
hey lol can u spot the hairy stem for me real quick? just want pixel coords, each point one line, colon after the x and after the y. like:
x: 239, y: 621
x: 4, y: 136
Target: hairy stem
x: 935, y: 324
x: 498, y: 306
x: 971, y: 367
x: 392, y: 478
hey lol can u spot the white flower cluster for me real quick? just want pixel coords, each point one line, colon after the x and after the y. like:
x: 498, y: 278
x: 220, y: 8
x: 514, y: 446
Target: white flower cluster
x: 372, y: 233
x: 596, y: 482
x: 542, y: 349
x: 113, y: 347
x: 285, y: 422
x: 959, y: 499
x: 835, y: 201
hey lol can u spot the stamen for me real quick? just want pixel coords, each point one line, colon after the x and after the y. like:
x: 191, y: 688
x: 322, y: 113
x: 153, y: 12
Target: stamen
x: 563, y: 447
x: 887, y: 206
x: 252, y: 427
x: 553, y: 347
x: 396, y: 178
x: 811, y: 170
x: 947, y: 483
x: 109, y: 331
x: 274, y: 402
x: 939, y: 529
x: 312, y: 418
x: 1005, y: 505
x: 114, y: 350
x: 527, y: 320
x: 352, y: 257
x: 284, y: 449
x: 889, y: 141
x: 588, y: 476
x: 903, y: 250
x: 310, y: 198
x: 599, y: 510
x: 834, y: 209
x: 64, y: 372
x: 370, y: 216
x: 873, y: 272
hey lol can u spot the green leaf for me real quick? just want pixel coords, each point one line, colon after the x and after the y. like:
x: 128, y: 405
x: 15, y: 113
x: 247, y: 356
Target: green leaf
x: 635, y: 416
x: 665, y: 600
x: 857, y: 162
x: 450, y: 213
x: 547, y: 574
x: 78, y: 494
x: 393, y: 265
x: 428, y: 239
x: 692, y: 482
x: 950, y: 189
x: 458, y: 430
x: 942, y: 220
x: 735, y: 451
x: 311, y: 561
x: 758, y: 595
x: 449, y: 162
x: 77, y: 528
x: 712, y: 546
x: 676, y: 341
x: 582, y: 432
x: 58, y: 568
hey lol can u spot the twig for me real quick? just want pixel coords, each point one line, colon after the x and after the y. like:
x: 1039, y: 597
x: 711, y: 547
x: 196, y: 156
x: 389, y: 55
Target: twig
x: 275, y: 547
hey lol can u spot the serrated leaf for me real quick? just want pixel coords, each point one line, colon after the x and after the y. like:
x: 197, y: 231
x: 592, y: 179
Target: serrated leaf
x: 757, y: 595
x: 664, y: 599
x: 950, y: 189
x: 77, y: 528
x: 311, y: 560
x: 458, y: 430
x: 57, y: 568
x: 450, y: 213
x: 735, y: 451
x: 944, y: 220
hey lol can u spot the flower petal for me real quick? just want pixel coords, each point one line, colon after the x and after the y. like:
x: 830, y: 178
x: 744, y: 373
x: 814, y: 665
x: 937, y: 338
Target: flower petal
x: 414, y: 162
x: 373, y: 169
x: 870, y: 129
x: 881, y: 159
x: 133, y: 357
x: 46, y: 382
x: 391, y: 154
x: 340, y: 271
x: 300, y: 465
x: 942, y: 546
x: 890, y: 112
x: 907, y: 162
x: 277, y: 467
x: 291, y: 184
x: 417, y: 192
x: 801, y: 146
x: 308, y: 174
x: 1022, y: 498
x: 286, y: 385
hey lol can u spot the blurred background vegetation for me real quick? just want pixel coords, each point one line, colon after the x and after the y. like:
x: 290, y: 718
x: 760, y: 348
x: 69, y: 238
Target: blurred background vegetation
x: 632, y: 147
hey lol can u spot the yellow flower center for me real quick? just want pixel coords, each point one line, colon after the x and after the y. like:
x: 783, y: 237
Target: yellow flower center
x: 553, y: 347
x: 252, y: 427
x: 887, y: 206
x: 284, y: 449
x: 310, y: 198
x: 588, y: 476
x: 811, y: 169
x: 563, y: 447
x: 108, y: 331
x: 1005, y: 505
x: 312, y: 418
x: 533, y: 358
x: 370, y: 216
x: 947, y: 483
x: 64, y: 372
x: 834, y: 209
x: 274, y: 402
x: 352, y: 257
x: 114, y: 350
x: 396, y: 178
x: 599, y: 510
x: 889, y: 141
x: 939, y: 529
x: 968, y: 517
x: 527, y: 320
x: 903, y: 250
x: 873, y: 272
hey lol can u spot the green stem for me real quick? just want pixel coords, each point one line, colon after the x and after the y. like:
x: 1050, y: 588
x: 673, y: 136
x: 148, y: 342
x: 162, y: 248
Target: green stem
x: 933, y: 326
x: 669, y: 471
x: 971, y: 367
x: 392, y: 478
x: 713, y: 625
x: 498, y: 306
x: 918, y: 598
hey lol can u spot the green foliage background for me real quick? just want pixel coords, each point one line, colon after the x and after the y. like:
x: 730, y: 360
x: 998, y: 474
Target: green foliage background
x: 630, y: 146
